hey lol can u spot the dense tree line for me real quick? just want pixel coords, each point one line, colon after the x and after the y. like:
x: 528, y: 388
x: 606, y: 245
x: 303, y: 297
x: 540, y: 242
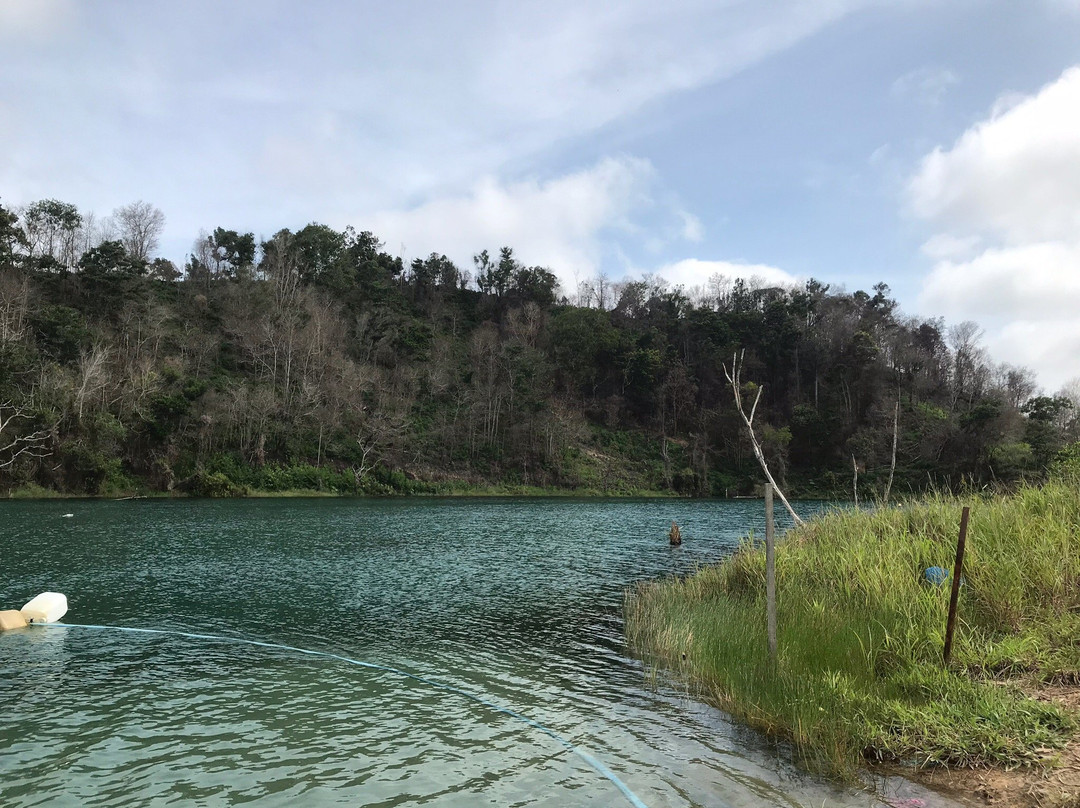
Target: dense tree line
x: 316, y: 359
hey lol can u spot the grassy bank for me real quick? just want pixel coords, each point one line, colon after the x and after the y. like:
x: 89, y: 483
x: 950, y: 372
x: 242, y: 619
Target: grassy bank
x: 859, y: 673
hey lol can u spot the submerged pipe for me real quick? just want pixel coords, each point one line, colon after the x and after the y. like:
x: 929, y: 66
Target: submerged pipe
x: 594, y: 763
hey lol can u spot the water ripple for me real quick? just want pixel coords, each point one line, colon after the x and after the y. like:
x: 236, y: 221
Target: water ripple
x: 515, y: 601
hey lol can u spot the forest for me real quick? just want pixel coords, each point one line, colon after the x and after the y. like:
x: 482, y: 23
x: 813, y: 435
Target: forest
x: 317, y: 361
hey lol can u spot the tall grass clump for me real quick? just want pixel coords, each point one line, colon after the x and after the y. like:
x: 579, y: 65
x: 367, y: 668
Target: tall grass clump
x: 859, y: 672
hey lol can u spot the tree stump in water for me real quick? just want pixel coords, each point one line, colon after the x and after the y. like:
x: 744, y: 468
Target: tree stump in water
x: 674, y: 535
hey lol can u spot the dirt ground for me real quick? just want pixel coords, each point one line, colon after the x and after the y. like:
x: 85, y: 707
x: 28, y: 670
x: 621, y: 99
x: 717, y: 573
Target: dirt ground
x: 1057, y: 786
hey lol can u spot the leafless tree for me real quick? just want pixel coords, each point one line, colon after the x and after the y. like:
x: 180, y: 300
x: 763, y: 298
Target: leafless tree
x: 13, y: 446
x: 378, y: 434
x: 969, y: 361
x: 855, y: 480
x: 14, y: 306
x: 1019, y: 383
x: 92, y: 376
x: 733, y: 377
x: 601, y: 291
x: 1071, y: 391
x: 895, y: 434
x: 140, y: 225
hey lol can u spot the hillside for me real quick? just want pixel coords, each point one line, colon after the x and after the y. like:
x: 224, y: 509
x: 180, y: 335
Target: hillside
x: 318, y: 361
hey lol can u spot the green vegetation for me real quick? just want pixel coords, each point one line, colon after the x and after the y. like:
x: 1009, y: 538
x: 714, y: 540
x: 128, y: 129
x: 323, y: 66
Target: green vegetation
x: 859, y: 671
x: 316, y: 361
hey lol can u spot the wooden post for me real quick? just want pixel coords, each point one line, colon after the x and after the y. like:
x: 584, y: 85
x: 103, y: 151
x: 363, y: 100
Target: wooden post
x: 770, y: 571
x: 957, y: 570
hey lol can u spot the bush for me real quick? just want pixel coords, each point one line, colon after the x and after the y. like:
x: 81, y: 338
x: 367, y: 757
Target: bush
x: 214, y: 484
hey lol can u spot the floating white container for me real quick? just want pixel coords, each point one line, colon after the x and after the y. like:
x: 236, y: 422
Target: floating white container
x: 48, y: 607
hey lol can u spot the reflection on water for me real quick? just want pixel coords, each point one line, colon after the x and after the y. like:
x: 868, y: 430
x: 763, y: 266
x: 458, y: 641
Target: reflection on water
x: 513, y: 600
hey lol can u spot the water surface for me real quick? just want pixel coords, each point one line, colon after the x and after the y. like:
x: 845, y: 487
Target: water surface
x: 516, y: 601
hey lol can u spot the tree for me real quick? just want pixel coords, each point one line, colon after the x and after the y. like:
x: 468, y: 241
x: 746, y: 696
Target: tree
x: 226, y: 253
x: 52, y: 229
x: 1046, y: 425
x: 12, y: 236
x: 162, y: 269
x: 110, y: 259
x: 14, y: 445
x: 736, y: 388
x: 320, y: 252
x: 139, y: 225
x: 485, y: 280
x: 536, y: 285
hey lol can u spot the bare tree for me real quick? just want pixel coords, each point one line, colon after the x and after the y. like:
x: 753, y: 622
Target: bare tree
x: 379, y: 433
x: 969, y: 361
x: 14, y: 306
x: 601, y: 291
x: 11, y: 448
x: 1071, y: 392
x: 140, y: 225
x: 855, y: 480
x: 92, y: 376
x: 895, y: 433
x: 1019, y: 383
x: 736, y: 388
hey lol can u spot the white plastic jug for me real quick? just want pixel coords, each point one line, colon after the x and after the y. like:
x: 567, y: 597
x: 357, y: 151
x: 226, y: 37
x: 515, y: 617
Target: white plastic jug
x: 48, y: 607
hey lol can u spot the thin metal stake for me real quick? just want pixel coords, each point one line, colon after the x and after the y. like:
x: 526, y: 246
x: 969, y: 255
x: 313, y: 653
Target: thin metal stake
x: 957, y: 570
x: 770, y: 571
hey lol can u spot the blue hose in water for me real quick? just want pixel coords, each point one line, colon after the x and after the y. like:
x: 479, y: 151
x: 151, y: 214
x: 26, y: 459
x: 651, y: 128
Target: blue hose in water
x: 581, y: 753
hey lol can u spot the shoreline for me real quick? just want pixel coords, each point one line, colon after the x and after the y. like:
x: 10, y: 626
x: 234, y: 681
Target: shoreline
x: 859, y: 684
x: 1056, y: 785
x: 494, y: 492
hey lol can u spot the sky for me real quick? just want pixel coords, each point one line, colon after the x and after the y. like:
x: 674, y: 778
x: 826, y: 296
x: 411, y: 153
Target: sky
x: 933, y: 145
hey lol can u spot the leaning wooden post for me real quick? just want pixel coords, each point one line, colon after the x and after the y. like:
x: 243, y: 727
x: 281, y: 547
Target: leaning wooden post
x: 957, y: 570
x: 770, y: 571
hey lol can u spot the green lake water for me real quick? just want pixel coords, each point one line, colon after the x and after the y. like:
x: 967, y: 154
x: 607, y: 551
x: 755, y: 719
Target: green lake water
x: 516, y: 601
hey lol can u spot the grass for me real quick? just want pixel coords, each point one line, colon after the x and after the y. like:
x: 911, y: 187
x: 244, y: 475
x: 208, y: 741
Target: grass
x: 859, y: 673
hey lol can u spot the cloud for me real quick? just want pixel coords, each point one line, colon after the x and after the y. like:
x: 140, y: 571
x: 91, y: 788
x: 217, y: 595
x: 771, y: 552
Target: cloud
x: 145, y: 100
x: 568, y: 223
x: 1030, y: 282
x: 37, y: 19
x: 947, y: 246
x: 692, y: 228
x: 1049, y: 346
x: 927, y: 85
x: 694, y: 272
x: 1015, y: 176
x: 1006, y: 201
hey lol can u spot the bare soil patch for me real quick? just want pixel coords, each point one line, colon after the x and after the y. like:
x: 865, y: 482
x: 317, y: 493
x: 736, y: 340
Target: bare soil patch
x: 1055, y: 786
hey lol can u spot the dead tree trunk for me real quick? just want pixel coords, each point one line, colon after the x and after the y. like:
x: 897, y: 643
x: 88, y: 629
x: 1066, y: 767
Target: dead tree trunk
x: 855, y: 480
x: 736, y: 388
x: 892, y: 465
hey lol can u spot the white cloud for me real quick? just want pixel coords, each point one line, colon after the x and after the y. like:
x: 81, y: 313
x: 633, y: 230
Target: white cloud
x: 1006, y: 200
x: 945, y: 246
x: 1015, y: 175
x: 927, y: 85
x: 38, y: 19
x: 1030, y: 282
x: 145, y: 100
x: 692, y: 228
x: 566, y: 223
x: 1049, y: 346
x: 694, y: 272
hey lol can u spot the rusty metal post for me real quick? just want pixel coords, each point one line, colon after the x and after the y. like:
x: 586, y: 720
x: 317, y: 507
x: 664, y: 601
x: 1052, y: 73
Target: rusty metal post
x: 958, y: 568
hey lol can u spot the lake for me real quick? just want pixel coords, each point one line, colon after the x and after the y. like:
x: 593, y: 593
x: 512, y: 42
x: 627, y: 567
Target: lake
x: 513, y: 601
